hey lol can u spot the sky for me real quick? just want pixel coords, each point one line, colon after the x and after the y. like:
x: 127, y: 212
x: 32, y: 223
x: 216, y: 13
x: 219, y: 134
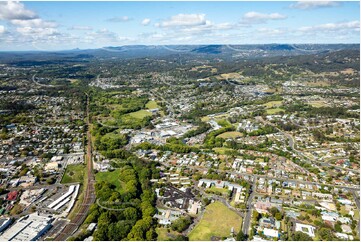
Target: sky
x: 53, y: 25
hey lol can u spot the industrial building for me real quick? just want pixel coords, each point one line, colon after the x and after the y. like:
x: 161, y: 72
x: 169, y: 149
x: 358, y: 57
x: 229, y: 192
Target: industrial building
x: 27, y: 228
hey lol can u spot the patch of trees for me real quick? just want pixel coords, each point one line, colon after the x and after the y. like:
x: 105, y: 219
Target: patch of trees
x: 116, y: 153
x: 268, y: 129
x: 132, y: 217
x: 287, y: 126
x: 110, y: 142
x: 129, y: 105
x: 16, y: 106
x: 178, y: 148
x: 300, y: 236
x: 202, y: 128
x: 211, y: 140
x: 181, y: 224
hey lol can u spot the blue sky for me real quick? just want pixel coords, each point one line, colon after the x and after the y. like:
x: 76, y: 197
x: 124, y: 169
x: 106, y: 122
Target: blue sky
x: 67, y: 25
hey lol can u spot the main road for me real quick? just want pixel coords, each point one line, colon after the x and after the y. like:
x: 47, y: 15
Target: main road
x: 249, y: 205
x: 89, y: 197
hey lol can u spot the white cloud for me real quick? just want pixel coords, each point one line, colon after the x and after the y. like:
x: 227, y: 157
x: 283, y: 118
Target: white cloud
x: 257, y: 18
x: 37, y: 22
x: 2, y: 29
x: 188, y: 28
x: 314, y: 4
x: 79, y: 27
x: 14, y: 10
x: 119, y: 19
x: 24, y: 21
x: 39, y: 32
x: 270, y: 31
x: 183, y: 20
x: 332, y: 27
x: 145, y: 21
x: 36, y: 27
x: 104, y: 36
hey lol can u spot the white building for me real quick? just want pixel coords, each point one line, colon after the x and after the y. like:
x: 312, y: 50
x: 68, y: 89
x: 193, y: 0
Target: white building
x: 27, y: 228
x: 270, y: 232
x: 305, y: 228
x: 4, y: 223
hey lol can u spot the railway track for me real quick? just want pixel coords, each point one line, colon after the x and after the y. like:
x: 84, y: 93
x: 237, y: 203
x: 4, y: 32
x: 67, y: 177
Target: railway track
x: 89, y: 198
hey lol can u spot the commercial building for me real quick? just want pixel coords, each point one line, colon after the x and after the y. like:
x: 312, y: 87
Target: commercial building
x: 27, y: 228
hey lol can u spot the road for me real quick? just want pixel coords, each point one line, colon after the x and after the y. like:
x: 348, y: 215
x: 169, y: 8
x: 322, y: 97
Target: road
x: 357, y: 199
x: 353, y: 188
x: 247, y: 218
x: 291, y: 143
x: 89, y: 197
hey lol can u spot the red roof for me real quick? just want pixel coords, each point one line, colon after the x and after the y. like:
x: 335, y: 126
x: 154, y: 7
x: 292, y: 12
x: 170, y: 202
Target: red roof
x: 12, y: 196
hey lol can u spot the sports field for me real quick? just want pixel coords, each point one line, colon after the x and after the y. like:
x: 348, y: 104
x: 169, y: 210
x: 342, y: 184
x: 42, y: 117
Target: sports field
x: 232, y: 135
x: 140, y: 114
x: 73, y: 173
x: 112, y: 177
x: 218, y: 221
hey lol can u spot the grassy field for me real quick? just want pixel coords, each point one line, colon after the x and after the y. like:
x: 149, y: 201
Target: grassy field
x: 273, y: 104
x: 318, y: 84
x: 74, y: 173
x: 357, y: 213
x: 230, y: 75
x: 221, y: 150
x: 111, y: 177
x: 224, y: 191
x: 216, y: 118
x: 163, y: 234
x: 152, y: 105
x: 205, y: 119
x: 140, y: 114
x: 274, y: 110
x: 217, y: 221
x: 317, y: 104
x: 232, y: 135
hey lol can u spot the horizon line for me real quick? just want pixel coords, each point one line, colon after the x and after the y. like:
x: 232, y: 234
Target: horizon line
x: 104, y: 47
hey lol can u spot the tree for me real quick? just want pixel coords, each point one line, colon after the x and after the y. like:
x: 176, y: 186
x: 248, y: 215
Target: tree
x: 338, y: 227
x: 241, y: 236
x: 278, y: 216
x: 300, y: 236
x: 50, y: 180
x: 256, y: 216
x: 273, y: 211
x: 151, y: 234
x: 325, y: 234
x: 181, y: 224
x: 131, y: 213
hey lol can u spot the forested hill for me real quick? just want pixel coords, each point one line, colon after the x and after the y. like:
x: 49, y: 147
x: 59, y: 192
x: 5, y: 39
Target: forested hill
x: 156, y: 51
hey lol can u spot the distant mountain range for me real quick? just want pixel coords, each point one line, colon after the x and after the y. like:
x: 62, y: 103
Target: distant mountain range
x: 144, y: 51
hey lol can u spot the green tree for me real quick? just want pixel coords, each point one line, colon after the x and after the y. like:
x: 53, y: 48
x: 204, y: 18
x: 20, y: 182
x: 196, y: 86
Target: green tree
x: 241, y: 236
x: 181, y: 224
x: 300, y: 236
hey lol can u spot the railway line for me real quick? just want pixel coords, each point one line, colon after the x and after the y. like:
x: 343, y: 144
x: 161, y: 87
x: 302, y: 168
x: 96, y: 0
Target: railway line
x: 89, y: 197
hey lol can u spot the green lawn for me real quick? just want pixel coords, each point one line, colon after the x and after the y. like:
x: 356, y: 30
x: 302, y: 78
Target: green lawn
x: 275, y: 110
x: 224, y: 191
x: 74, y: 173
x: 205, y: 119
x: 163, y: 234
x: 273, y: 104
x: 140, y: 114
x: 357, y: 214
x: 152, y: 105
x: 217, y: 221
x: 318, y: 104
x: 112, y: 177
x: 231, y: 134
x: 221, y: 150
